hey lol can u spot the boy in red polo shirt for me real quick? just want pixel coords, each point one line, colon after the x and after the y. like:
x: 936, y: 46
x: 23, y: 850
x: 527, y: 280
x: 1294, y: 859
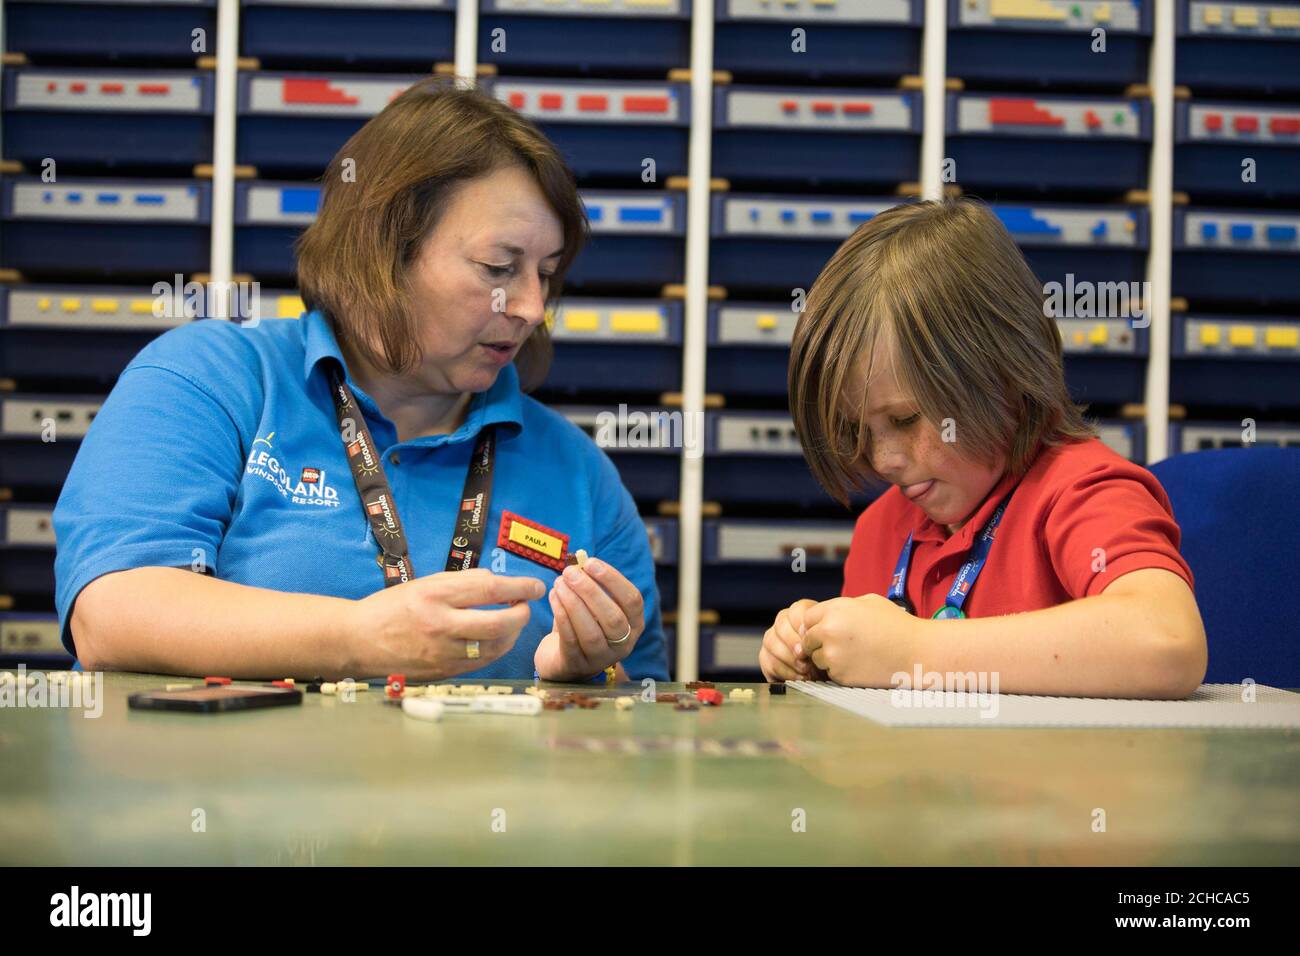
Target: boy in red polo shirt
x: 1013, y: 542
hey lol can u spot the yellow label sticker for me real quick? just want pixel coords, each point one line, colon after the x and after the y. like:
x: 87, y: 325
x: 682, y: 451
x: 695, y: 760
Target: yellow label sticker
x: 549, y: 545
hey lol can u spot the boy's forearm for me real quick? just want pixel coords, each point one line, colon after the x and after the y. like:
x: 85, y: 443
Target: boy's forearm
x: 174, y: 621
x: 1107, y: 645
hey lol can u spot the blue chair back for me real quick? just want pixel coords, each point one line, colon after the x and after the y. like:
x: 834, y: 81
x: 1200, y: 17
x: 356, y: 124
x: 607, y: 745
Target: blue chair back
x: 1239, y: 511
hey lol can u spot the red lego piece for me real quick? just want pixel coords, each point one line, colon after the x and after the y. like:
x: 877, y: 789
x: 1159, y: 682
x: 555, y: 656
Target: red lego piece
x: 710, y: 696
x: 1213, y: 122
x: 1021, y: 112
x: 395, y: 686
x: 216, y: 680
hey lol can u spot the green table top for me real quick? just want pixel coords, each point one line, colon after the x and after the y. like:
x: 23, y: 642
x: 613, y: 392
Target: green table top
x: 331, y: 782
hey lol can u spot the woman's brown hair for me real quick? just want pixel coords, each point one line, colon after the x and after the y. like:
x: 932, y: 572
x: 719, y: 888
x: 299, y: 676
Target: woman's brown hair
x: 354, y: 260
x: 963, y: 313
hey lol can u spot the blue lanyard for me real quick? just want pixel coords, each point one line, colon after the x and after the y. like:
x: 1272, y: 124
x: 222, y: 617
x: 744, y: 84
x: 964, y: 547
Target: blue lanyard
x: 965, y: 579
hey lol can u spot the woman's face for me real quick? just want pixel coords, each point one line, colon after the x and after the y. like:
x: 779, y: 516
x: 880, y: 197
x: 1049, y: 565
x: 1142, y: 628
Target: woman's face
x: 910, y: 452
x: 479, y: 284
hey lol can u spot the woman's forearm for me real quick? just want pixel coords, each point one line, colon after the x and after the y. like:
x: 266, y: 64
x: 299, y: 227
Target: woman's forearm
x: 174, y: 621
x: 1143, y: 639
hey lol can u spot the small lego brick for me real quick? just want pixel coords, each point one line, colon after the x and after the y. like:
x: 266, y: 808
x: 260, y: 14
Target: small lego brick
x: 314, y: 687
x: 284, y: 685
x: 741, y: 693
x: 611, y: 674
x: 554, y: 705
x: 395, y: 685
x: 216, y: 680
x: 500, y: 689
x: 697, y: 684
x: 625, y: 703
x: 581, y: 555
x: 665, y: 698
x: 422, y: 709
x: 777, y: 688
x: 179, y: 686
x: 329, y: 688
x: 287, y: 681
x: 709, y: 696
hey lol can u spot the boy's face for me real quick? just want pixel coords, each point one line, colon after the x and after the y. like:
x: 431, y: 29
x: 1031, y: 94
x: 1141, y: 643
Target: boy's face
x: 910, y: 452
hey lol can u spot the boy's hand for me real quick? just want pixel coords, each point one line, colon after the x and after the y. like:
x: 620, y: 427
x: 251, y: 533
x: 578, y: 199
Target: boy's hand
x: 779, y: 658
x: 861, y: 641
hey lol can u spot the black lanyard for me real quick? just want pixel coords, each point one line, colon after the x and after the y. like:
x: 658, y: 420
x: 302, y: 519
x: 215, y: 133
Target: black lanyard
x: 377, y: 496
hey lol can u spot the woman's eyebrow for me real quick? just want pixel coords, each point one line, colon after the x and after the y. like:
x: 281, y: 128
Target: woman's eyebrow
x: 892, y: 407
x: 516, y: 251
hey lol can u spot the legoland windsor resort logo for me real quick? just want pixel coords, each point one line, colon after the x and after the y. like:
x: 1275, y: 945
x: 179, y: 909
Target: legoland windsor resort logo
x: 307, y: 487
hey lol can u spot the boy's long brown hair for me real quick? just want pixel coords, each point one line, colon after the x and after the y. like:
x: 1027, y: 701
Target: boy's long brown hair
x: 353, y: 261
x: 963, y: 313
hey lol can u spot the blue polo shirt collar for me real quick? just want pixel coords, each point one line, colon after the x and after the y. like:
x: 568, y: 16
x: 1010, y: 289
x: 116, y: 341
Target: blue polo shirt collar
x: 502, y: 404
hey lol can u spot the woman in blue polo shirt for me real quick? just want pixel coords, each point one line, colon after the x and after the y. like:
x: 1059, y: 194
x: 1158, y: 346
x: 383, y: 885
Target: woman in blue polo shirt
x: 366, y: 490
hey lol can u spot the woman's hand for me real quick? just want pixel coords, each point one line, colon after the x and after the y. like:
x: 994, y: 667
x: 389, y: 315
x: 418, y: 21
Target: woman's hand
x: 593, y: 606
x: 781, y: 657
x: 862, y: 641
x: 422, y: 628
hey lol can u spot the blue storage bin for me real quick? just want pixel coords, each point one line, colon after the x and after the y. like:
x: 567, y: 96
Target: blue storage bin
x: 747, y: 563
x: 1238, y: 47
x: 749, y: 347
x: 112, y: 227
x: 1126, y: 438
x: 651, y: 471
x: 816, y: 137
x: 637, y: 240
x: 1092, y: 243
x: 1105, y: 358
x: 111, y: 118
x: 1049, y: 42
x: 32, y: 638
x: 1200, y: 435
x: 34, y: 468
x: 516, y: 35
x: 773, y: 244
x: 841, y: 39
x: 606, y: 129
x: 1040, y: 143
x: 1211, y: 139
x: 27, y: 551
x: 95, y: 31
x: 1236, y: 256
x: 1247, y: 360
x: 732, y: 651
x: 754, y: 458
x: 616, y: 345
x: 296, y: 122
x: 365, y: 33
x: 269, y: 216
x: 76, y: 333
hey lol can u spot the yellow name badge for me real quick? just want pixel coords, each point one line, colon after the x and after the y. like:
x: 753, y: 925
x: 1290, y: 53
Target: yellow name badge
x: 533, y: 541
